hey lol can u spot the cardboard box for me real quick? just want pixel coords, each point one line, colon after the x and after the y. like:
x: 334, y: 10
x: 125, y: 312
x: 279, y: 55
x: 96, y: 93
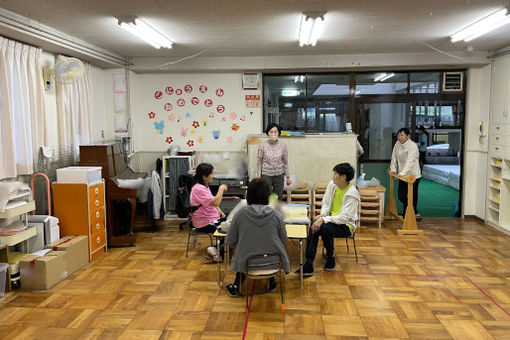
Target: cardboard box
x: 77, y: 249
x: 43, y: 272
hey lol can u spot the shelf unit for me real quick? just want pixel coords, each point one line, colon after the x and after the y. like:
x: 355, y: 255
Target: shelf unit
x: 15, y: 214
x: 173, y: 167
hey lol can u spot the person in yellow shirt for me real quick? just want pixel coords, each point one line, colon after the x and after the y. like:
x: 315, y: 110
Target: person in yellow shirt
x: 338, y: 217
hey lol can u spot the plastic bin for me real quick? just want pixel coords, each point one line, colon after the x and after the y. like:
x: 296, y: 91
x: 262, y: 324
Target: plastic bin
x: 3, y: 274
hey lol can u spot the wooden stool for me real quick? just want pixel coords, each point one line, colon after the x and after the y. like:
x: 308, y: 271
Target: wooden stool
x: 372, y: 204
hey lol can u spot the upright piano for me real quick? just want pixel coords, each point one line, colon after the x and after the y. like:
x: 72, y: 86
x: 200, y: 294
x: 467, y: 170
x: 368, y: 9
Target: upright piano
x: 111, y: 157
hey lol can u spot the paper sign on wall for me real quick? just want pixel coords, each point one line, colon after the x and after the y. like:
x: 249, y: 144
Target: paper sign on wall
x: 252, y: 100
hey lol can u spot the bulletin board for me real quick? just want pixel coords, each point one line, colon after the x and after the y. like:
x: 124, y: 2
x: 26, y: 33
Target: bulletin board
x: 201, y: 112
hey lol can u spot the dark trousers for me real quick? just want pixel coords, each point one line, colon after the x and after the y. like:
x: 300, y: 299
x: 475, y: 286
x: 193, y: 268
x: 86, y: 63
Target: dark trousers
x: 211, y: 228
x: 328, y: 232
x: 276, y: 184
x: 402, y: 195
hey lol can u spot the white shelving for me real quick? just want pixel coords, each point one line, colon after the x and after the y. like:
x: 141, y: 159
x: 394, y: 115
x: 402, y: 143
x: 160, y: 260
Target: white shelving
x: 15, y: 215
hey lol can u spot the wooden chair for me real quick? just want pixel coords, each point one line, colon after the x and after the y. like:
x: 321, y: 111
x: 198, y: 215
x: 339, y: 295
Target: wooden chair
x: 192, y: 231
x: 301, y: 194
x: 318, y: 194
x: 257, y: 270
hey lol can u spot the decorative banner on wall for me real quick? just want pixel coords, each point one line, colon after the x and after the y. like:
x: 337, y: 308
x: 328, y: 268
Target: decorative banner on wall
x: 252, y: 100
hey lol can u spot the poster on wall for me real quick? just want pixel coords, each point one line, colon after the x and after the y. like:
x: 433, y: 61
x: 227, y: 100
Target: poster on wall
x: 252, y: 100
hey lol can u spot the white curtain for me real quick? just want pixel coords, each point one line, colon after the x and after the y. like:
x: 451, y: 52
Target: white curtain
x: 22, y: 113
x: 74, y: 105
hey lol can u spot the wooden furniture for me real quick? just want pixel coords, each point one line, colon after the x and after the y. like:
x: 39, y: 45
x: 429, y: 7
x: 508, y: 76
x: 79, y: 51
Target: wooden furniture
x: 318, y: 194
x: 410, y: 227
x: 255, y: 271
x: 372, y: 204
x: 111, y: 157
x: 300, y: 195
x: 80, y: 208
x: 4, y: 258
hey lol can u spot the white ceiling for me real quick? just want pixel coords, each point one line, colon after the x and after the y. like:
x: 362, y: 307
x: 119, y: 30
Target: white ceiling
x: 268, y: 28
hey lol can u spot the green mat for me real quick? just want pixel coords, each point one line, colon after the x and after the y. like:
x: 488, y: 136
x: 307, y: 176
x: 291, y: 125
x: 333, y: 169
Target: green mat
x: 434, y: 200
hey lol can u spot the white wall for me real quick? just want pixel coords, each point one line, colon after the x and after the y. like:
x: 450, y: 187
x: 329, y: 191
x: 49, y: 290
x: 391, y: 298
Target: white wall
x: 206, y: 119
x: 475, y: 147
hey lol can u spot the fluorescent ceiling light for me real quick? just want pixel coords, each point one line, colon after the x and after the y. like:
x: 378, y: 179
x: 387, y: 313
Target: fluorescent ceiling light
x: 311, y: 28
x: 145, y: 32
x: 482, y: 26
x: 383, y: 76
x: 290, y: 93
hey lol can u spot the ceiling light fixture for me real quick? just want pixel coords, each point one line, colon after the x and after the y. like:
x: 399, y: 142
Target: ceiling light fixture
x: 482, y: 26
x: 145, y: 32
x: 311, y: 28
x: 299, y: 79
x: 383, y: 76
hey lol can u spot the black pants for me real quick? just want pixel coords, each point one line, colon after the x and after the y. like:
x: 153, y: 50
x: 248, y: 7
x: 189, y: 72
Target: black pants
x: 328, y: 232
x: 402, y: 194
x: 211, y: 228
x: 275, y: 184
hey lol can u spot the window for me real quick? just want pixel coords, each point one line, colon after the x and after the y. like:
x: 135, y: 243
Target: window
x: 381, y: 83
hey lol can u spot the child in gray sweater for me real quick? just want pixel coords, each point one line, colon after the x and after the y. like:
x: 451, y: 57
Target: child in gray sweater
x: 256, y: 229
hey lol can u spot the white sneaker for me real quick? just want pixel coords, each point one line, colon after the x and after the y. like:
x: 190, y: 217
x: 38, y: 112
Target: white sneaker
x: 212, y: 250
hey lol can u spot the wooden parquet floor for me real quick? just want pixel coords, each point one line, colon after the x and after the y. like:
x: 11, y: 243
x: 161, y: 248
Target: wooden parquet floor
x: 453, y: 283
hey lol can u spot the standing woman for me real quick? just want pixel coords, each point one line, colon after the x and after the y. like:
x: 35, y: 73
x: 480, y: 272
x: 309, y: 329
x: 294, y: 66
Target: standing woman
x: 272, y: 163
x: 406, y: 156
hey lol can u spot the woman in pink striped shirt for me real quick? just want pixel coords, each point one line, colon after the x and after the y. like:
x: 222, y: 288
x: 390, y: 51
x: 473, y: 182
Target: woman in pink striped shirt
x: 272, y: 164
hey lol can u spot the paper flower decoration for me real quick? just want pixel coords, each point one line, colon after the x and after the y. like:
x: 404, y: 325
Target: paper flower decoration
x: 233, y: 115
x: 151, y: 115
x: 223, y: 119
x: 193, y: 132
x: 200, y: 139
x: 230, y: 140
x: 169, y: 140
x: 196, y: 124
x: 171, y: 117
x: 235, y: 127
x: 190, y: 143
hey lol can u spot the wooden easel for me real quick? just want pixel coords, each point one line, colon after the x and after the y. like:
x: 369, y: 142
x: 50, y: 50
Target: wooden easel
x: 409, y: 227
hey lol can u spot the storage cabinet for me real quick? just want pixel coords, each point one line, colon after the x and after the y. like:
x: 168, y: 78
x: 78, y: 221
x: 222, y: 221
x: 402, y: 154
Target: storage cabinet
x: 80, y: 209
x: 173, y: 167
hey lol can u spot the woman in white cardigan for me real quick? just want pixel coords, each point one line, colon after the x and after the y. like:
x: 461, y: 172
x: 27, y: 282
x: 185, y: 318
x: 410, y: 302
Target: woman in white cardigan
x: 338, y: 217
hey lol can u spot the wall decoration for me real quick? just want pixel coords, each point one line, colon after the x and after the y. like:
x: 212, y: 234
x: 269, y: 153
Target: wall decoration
x: 216, y: 134
x: 251, y: 113
x: 200, y: 139
x: 220, y: 108
x: 181, y: 102
x: 233, y: 115
x: 230, y: 140
x: 169, y: 90
x: 188, y: 115
x: 211, y: 115
x: 168, y: 107
x: 235, y: 127
x: 151, y: 115
x: 208, y: 102
x: 171, y: 117
x: 178, y: 92
x: 190, y: 143
x: 159, y: 126
x: 179, y: 119
x: 223, y: 119
x: 193, y: 132
x: 220, y: 92
x: 243, y: 118
x: 184, y: 132
x: 196, y: 124
x: 202, y: 89
x: 195, y: 101
x: 188, y: 88
x: 169, y: 140
x: 205, y: 121
x: 252, y: 100
x: 158, y: 94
